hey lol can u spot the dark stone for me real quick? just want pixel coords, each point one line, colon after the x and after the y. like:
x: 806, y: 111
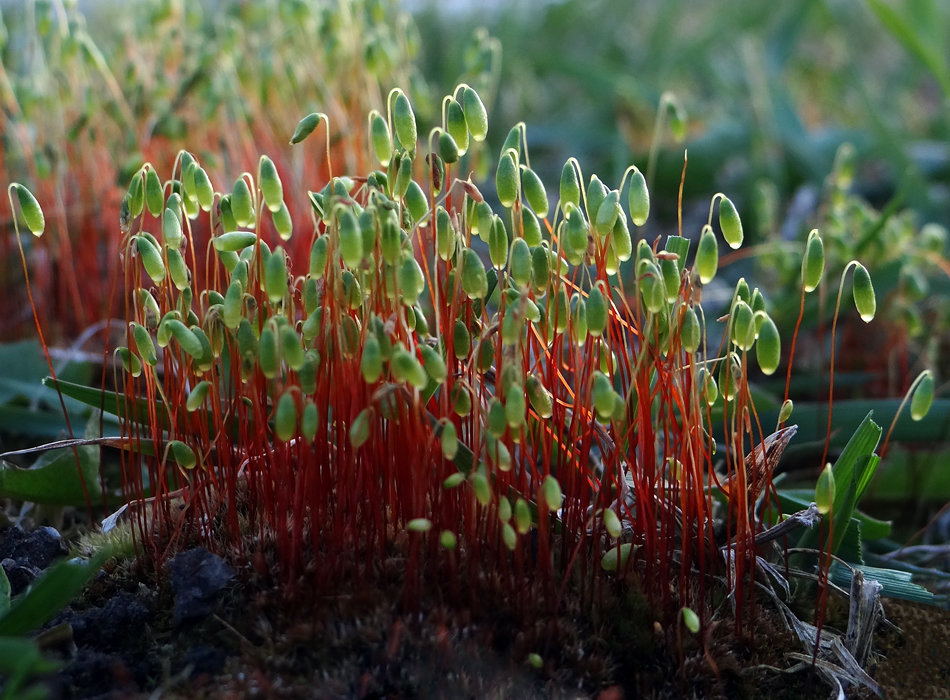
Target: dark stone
x: 119, y: 624
x: 24, y: 555
x: 197, y: 577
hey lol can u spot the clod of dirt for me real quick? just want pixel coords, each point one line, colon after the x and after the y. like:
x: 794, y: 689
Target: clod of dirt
x: 197, y: 577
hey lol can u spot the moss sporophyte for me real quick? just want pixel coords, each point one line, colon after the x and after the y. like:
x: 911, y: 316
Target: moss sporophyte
x: 526, y: 394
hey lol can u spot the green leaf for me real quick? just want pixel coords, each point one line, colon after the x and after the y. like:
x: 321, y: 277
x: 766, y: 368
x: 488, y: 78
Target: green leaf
x: 59, y: 584
x: 852, y: 471
x: 912, y: 42
x: 895, y: 584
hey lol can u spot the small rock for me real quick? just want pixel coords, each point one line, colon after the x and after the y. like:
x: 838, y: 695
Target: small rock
x: 197, y: 577
x: 24, y: 555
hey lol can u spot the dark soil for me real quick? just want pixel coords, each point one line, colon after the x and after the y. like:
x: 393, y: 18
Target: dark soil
x: 206, y: 628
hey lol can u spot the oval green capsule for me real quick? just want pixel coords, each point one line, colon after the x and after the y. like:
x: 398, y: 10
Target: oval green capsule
x: 359, y: 428
x: 271, y: 187
x: 474, y: 278
x: 923, y: 395
x: 768, y: 346
x: 275, y: 276
x: 242, y: 205
x: 154, y: 195
x: 196, y: 397
x: 476, y: 117
x: 730, y: 223
x: 204, y: 189
x: 151, y: 259
x: 813, y: 262
x: 416, y: 202
x: 404, y: 122
x: 534, y: 192
x: 282, y: 222
x: 863, y: 292
x: 455, y: 125
x: 233, y: 241
x: 506, y: 179
x: 305, y: 127
x: 177, y: 269
x: 381, y: 138
x: 136, y: 195
x: 449, y: 440
x: 30, y: 210
x: 570, y: 187
x: 351, y: 239
x: 638, y: 198
x: 551, y: 492
x: 690, y: 331
x: 309, y: 421
x: 707, y: 255
x: 445, y: 233
x: 183, y: 455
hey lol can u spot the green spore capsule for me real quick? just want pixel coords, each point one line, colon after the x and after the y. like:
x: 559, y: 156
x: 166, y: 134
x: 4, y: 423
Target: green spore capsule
x: 196, y: 397
x: 404, y: 122
x: 730, y: 223
x: 923, y: 395
x: 318, y: 257
x: 434, y: 364
x: 151, y: 259
x: 813, y: 263
x: 416, y: 202
x: 534, y: 192
x: 474, y: 278
x: 607, y: 213
x: 449, y: 441
x: 154, y: 195
x: 551, y: 492
x: 30, y: 210
x: 476, y: 117
x: 271, y: 187
x: 371, y: 363
x: 707, y: 255
x: 282, y: 222
x: 351, y: 240
x: 309, y: 421
x: 233, y: 241
x: 269, y: 353
x: 690, y: 331
x: 530, y: 228
x: 574, y: 237
x: 411, y: 281
x: 305, y: 127
x: 381, y: 138
x: 136, y: 195
x: 506, y: 179
x: 570, y: 187
x: 177, y: 269
x: 444, y: 233
x: 448, y: 149
x: 204, y: 189
x: 359, y: 428
x: 863, y: 292
x: 242, y: 204
x: 768, y: 346
x: 638, y: 199
x: 743, y: 326
x: 183, y: 455
x: 455, y: 125
x: 275, y: 276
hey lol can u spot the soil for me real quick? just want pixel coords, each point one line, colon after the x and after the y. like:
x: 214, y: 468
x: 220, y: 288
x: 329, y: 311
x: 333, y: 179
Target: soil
x: 207, y: 628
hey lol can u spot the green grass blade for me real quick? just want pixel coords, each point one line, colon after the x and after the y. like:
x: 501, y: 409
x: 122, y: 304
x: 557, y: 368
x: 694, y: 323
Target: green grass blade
x: 912, y: 43
x: 49, y: 593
